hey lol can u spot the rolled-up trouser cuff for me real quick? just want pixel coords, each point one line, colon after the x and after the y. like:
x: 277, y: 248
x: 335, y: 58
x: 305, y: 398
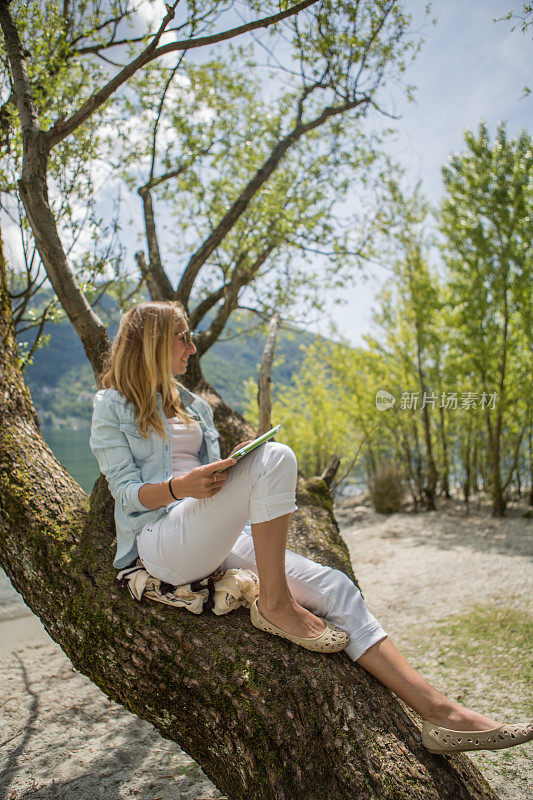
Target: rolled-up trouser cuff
x: 367, y: 636
x: 276, y: 505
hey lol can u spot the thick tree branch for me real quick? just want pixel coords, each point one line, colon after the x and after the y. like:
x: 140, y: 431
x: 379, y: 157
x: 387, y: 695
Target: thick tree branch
x: 21, y: 83
x: 330, y: 470
x: 229, y: 219
x: 34, y: 194
x: 63, y: 128
x: 239, y: 279
x: 158, y: 283
x: 198, y: 313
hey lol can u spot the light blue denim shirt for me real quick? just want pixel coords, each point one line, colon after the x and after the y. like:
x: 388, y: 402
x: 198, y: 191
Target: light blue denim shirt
x: 128, y: 459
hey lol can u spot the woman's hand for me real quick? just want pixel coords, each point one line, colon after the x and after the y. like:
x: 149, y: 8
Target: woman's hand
x: 238, y: 447
x: 203, y: 481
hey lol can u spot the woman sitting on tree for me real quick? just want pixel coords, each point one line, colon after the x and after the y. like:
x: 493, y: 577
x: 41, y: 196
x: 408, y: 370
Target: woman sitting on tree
x: 175, y: 509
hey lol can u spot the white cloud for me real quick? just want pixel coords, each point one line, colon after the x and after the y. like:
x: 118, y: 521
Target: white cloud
x: 152, y: 11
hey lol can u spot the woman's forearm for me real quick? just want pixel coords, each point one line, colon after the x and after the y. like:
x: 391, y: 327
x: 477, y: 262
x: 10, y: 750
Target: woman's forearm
x: 157, y: 495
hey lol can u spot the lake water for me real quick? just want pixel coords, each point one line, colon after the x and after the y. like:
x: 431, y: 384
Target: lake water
x: 72, y: 449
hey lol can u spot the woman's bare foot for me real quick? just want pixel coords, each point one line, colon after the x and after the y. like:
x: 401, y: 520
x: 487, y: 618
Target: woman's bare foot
x: 293, y: 618
x: 457, y: 718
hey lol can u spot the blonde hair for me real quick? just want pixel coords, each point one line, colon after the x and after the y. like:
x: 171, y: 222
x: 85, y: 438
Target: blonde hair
x: 140, y: 362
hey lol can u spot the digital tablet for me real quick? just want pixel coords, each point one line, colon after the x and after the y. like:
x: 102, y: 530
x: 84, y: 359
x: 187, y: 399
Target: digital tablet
x: 251, y: 446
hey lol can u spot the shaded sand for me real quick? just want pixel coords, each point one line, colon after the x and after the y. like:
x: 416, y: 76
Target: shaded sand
x: 18, y: 632
x: 60, y: 737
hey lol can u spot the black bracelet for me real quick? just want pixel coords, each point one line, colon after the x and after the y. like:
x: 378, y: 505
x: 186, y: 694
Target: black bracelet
x: 170, y: 488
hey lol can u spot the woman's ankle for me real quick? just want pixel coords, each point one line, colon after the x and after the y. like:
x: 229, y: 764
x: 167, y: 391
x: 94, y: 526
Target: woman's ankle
x: 275, y: 604
x: 449, y: 714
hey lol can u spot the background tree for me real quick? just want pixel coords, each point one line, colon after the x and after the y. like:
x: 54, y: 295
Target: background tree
x: 416, y: 309
x: 314, y: 416
x: 449, y: 340
x: 486, y: 221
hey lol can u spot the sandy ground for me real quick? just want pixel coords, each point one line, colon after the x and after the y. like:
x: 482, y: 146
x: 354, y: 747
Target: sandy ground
x: 60, y: 737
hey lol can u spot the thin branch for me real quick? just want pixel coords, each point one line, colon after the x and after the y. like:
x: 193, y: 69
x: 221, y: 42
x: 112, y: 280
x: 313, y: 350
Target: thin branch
x: 353, y: 461
x: 159, y: 113
x: 115, y: 21
x: 196, y: 316
x: 33, y: 348
x: 63, y: 128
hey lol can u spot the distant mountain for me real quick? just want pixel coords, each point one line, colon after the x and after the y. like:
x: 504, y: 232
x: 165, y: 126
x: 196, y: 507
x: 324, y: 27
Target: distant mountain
x: 62, y: 383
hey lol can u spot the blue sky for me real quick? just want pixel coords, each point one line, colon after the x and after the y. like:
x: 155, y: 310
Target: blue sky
x: 470, y: 68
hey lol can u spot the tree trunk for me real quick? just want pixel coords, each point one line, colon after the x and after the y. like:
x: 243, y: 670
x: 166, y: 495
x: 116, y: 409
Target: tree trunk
x: 419, y: 478
x: 530, y: 453
x: 466, y: 453
x: 34, y: 194
x: 431, y: 475
x: 476, y: 477
x: 445, y: 471
x: 264, y: 719
x: 498, y: 499
x: 264, y: 384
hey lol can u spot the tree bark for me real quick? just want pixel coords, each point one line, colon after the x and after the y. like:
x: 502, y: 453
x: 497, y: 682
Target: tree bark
x: 530, y: 459
x: 264, y: 718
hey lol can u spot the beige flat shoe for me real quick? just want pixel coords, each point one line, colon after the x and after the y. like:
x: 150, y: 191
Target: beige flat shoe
x: 331, y: 640
x: 443, y: 740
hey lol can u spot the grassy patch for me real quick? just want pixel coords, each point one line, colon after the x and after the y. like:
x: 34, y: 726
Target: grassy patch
x: 495, y: 642
x: 486, y: 647
x: 484, y: 660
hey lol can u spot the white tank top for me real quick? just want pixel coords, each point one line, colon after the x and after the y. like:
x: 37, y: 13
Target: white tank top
x: 186, y: 441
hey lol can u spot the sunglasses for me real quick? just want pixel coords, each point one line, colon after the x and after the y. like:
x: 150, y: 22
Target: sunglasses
x: 187, y: 336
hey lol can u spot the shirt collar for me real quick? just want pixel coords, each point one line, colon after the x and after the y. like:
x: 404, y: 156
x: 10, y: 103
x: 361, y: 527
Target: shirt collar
x: 187, y: 397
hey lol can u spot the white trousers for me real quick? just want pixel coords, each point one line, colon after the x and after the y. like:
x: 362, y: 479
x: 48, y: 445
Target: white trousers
x: 197, y: 536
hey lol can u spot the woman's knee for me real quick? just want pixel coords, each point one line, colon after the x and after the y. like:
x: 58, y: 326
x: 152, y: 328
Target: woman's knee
x: 281, y: 456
